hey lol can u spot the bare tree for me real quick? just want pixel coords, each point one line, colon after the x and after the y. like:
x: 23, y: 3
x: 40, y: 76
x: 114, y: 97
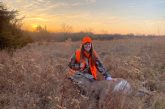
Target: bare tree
x: 67, y: 30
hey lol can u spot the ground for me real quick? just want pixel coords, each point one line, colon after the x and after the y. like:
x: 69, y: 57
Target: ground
x: 34, y: 77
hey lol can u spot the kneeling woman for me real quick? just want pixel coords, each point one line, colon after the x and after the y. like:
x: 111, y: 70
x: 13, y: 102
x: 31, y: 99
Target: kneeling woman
x: 86, y: 61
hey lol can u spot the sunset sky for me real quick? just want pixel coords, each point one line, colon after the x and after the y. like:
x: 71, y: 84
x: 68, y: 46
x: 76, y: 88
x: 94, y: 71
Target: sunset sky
x: 98, y: 16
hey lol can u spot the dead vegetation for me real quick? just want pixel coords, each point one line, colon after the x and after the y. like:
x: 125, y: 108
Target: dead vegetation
x: 33, y: 79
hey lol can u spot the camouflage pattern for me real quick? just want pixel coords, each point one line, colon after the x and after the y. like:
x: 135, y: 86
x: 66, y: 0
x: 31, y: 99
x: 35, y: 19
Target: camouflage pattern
x: 74, y: 65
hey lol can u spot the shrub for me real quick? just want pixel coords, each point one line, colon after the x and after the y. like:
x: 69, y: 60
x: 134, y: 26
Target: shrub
x: 11, y: 36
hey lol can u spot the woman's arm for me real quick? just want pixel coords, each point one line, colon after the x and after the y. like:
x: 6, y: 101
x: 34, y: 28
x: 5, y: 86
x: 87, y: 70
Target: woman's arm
x: 72, y: 64
x: 101, y: 68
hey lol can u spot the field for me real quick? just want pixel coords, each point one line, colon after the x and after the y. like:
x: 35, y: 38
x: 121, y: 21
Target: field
x: 34, y: 78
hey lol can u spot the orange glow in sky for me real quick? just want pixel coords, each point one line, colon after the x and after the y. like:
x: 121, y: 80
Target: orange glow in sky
x: 98, y: 16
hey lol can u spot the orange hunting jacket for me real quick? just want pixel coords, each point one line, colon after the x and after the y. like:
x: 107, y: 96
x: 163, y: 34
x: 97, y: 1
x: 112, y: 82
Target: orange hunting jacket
x: 87, y: 64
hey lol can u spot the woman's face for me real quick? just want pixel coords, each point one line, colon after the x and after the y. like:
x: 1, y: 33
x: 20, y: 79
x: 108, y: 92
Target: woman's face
x: 87, y: 46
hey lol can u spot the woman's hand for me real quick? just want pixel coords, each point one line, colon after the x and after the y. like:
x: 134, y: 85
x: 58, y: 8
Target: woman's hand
x: 82, y: 66
x: 110, y: 78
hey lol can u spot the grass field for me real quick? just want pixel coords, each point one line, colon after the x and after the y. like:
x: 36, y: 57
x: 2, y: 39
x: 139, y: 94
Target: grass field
x: 33, y: 77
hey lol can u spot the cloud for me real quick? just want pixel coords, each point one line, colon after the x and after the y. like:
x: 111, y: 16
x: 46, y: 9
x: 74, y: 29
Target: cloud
x: 90, y: 1
x: 162, y: 1
x: 37, y: 19
x: 132, y: 5
x: 45, y: 5
x: 62, y: 5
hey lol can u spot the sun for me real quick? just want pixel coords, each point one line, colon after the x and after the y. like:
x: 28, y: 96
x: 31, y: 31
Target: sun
x: 34, y: 26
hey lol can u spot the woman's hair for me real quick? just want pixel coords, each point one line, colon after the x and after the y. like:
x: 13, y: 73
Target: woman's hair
x: 92, y: 53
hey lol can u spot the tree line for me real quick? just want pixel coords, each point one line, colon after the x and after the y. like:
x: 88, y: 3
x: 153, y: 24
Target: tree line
x: 11, y: 35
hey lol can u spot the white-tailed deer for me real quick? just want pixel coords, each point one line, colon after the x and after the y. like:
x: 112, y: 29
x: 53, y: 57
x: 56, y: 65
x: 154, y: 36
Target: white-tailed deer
x: 99, y: 90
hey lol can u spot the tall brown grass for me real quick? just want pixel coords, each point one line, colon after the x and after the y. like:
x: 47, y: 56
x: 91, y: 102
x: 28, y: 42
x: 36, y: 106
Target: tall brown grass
x: 32, y: 77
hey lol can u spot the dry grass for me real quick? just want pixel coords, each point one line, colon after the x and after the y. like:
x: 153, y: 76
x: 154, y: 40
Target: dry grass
x: 33, y: 79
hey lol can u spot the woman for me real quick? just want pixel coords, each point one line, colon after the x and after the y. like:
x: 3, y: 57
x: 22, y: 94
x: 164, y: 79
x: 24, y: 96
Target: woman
x: 86, y: 61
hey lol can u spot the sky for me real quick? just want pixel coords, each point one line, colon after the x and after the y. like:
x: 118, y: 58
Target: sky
x: 97, y: 16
